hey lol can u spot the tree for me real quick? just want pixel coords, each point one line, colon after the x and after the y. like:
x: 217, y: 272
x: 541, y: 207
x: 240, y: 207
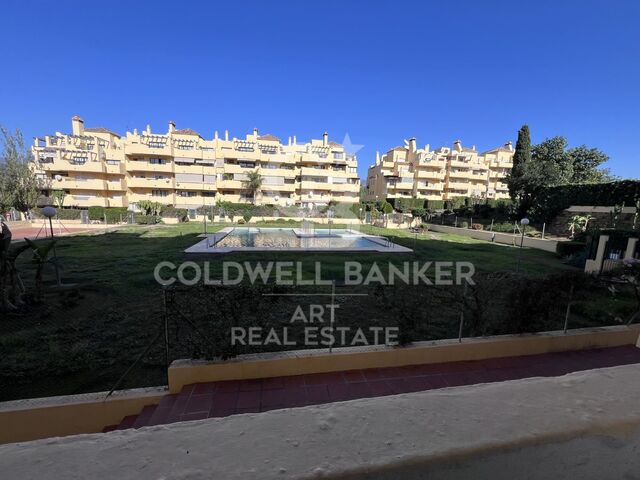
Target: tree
x: 550, y: 165
x: 586, y: 162
x: 19, y: 185
x: 521, y: 158
x: 58, y: 197
x: 253, y: 183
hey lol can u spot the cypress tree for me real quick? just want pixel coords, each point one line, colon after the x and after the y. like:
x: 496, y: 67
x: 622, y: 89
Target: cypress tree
x: 521, y: 157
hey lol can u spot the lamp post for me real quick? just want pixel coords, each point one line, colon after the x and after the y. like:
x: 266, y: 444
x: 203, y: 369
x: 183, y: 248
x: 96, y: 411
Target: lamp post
x: 524, y: 222
x: 50, y: 212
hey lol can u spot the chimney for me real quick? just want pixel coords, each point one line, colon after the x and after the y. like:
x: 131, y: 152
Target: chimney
x: 255, y: 133
x: 325, y: 139
x: 215, y: 135
x: 509, y: 145
x: 289, y: 141
x: 294, y: 140
x: 377, y: 157
x: 412, y: 144
x: 226, y: 135
x: 172, y: 126
x: 77, y: 125
x: 148, y: 129
x: 457, y: 145
x: 427, y: 147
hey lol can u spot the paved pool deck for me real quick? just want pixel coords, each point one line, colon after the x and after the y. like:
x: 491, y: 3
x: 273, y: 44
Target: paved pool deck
x: 378, y: 244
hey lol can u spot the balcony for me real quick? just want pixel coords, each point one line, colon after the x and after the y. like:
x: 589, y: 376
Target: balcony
x: 117, y: 202
x: 162, y: 183
x: 145, y: 166
x: 315, y: 172
x: 230, y: 184
x: 459, y: 185
x: 345, y: 187
x: 73, y: 183
x: 67, y: 166
x: 143, y: 149
x: 311, y: 158
x: 84, y: 201
x: 202, y: 187
x: 307, y: 185
x: 282, y: 187
x: 423, y: 173
x: 114, y: 168
x: 116, y: 185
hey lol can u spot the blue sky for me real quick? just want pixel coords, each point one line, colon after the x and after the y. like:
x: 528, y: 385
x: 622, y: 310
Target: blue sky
x: 380, y: 71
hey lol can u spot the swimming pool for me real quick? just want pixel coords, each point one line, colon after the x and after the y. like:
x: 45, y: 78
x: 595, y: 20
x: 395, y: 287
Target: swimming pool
x: 292, y: 239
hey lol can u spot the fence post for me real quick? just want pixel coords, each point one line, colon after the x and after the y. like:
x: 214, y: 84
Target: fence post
x: 332, y: 320
x: 544, y: 226
x: 455, y: 222
x: 470, y: 222
x: 166, y: 330
x: 491, y: 229
x: 568, y: 312
x: 464, y: 296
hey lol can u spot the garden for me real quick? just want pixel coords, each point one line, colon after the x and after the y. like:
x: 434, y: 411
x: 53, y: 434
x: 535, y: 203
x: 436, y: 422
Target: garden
x: 108, y: 329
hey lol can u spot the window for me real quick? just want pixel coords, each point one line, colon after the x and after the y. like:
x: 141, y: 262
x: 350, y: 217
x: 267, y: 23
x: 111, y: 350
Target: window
x: 184, y: 193
x: 159, y: 193
x: 338, y: 155
x: 157, y: 161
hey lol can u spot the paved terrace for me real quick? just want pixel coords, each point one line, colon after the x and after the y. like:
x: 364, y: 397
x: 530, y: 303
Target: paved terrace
x: 222, y: 399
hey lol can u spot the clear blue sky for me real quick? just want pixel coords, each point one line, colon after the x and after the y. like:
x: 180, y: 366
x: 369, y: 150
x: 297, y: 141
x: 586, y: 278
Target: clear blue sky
x: 381, y: 71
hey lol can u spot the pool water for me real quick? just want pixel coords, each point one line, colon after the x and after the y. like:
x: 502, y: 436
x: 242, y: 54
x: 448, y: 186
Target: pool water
x: 287, y: 238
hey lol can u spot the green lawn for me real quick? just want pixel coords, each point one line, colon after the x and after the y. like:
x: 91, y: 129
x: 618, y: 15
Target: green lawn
x: 83, y: 339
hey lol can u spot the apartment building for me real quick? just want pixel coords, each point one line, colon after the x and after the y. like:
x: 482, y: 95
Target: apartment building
x: 96, y: 166
x: 441, y: 174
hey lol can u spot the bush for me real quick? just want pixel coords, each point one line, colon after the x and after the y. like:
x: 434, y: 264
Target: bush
x: 567, y: 249
x: 246, y: 217
x: 241, y: 221
x: 477, y: 226
x: 147, y: 219
x: 172, y: 212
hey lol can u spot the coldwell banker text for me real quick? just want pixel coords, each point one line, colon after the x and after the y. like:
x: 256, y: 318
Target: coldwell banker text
x: 295, y: 273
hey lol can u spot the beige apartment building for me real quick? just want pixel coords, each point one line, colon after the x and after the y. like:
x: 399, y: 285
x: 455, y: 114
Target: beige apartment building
x: 97, y: 167
x: 442, y: 174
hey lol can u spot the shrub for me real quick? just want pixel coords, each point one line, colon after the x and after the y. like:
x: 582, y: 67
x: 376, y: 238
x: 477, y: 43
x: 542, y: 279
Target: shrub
x: 147, y: 219
x: 477, y: 226
x: 246, y: 217
x: 241, y: 221
x: 566, y: 249
x: 418, y: 212
x: 172, y: 212
x: 464, y: 225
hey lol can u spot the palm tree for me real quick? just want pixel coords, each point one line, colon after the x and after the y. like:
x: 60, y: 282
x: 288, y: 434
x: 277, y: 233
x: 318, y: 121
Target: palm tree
x: 253, y: 183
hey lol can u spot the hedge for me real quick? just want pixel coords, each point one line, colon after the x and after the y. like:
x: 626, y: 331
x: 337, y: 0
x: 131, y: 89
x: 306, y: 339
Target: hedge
x: 552, y: 200
x: 63, y: 213
x: 113, y: 214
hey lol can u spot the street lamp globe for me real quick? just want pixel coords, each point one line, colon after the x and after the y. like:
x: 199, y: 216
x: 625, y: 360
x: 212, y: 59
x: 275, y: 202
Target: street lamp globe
x: 524, y: 221
x: 49, y: 212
